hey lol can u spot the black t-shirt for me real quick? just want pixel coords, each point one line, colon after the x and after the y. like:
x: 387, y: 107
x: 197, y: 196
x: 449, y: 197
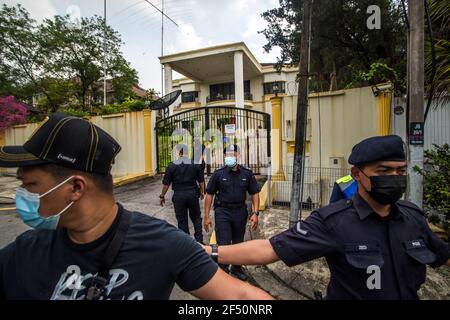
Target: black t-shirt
x: 44, y: 264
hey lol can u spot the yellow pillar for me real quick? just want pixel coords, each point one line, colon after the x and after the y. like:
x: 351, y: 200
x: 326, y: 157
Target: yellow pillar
x: 384, y: 113
x: 277, y: 147
x: 148, y: 139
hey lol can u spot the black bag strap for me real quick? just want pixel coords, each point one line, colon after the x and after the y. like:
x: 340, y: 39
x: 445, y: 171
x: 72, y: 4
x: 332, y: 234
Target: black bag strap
x: 96, y: 289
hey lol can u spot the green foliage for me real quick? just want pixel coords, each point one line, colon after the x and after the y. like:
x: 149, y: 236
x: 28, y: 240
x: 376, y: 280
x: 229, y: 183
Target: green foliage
x: 437, y: 179
x: 378, y: 73
x: 440, y: 21
x: 60, y: 60
x: 76, y: 112
x: 341, y: 43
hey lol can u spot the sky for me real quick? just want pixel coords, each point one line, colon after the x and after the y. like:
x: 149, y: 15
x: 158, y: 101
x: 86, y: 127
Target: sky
x: 201, y: 23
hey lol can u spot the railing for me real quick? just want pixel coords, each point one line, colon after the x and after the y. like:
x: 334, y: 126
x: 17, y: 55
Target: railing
x: 219, y: 97
x: 207, y: 126
x: 317, y: 186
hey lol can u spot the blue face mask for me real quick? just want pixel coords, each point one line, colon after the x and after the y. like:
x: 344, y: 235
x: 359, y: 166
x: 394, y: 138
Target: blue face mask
x: 27, y: 206
x: 230, y: 162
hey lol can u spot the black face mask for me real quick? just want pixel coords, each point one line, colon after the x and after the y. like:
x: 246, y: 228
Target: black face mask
x: 386, y: 189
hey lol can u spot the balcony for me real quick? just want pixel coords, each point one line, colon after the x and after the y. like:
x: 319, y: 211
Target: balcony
x: 227, y: 97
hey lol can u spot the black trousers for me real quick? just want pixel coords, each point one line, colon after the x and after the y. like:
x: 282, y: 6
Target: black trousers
x: 184, y: 201
x: 230, y: 228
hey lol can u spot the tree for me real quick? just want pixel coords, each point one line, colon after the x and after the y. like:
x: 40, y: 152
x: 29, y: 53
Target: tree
x: 440, y: 22
x: 22, y: 59
x: 11, y: 112
x: 60, y: 60
x: 437, y: 180
x: 342, y: 46
x: 77, y: 53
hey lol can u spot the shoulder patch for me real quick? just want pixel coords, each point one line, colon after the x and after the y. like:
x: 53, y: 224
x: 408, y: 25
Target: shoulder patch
x: 334, y: 208
x: 410, y: 205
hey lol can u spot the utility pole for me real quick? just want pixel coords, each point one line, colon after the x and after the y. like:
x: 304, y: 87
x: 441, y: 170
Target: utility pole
x: 104, y: 52
x: 416, y: 99
x: 301, y: 120
x: 162, y: 47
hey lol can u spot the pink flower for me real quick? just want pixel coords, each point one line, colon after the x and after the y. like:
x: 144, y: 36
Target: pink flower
x: 11, y: 112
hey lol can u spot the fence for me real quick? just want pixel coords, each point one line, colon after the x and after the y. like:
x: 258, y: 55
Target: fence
x: 130, y: 129
x: 317, y: 186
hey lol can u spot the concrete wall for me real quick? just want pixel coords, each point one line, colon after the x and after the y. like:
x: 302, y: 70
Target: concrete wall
x: 339, y: 120
x: 133, y: 131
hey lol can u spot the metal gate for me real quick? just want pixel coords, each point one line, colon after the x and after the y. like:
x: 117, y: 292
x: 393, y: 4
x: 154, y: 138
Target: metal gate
x: 206, y: 131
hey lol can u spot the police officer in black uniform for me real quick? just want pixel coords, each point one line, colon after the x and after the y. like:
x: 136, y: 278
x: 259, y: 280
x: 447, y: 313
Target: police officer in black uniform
x: 376, y: 245
x: 188, y: 184
x: 230, y: 185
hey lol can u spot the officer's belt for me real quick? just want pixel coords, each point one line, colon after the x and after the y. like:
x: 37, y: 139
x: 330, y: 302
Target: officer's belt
x: 232, y: 205
x: 184, y: 188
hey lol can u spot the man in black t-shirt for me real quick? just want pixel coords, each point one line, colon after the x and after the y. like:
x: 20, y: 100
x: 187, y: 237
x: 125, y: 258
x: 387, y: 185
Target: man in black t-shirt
x: 67, y: 197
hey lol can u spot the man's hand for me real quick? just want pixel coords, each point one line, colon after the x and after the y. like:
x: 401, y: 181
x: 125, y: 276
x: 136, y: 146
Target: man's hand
x: 207, y: 224
x: 254, y: 221
x: 202, y: 195
x: 162, y: 200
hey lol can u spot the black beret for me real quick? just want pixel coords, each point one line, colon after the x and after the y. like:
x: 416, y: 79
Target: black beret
x: 380, y: 148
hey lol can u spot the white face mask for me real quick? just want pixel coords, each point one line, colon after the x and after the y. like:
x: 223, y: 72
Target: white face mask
x: 27, y: 206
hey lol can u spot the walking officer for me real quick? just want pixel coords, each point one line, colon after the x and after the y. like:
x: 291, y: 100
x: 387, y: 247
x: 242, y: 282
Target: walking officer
x: 230, y: 185
x: 376, y: 245
x: 188, y: 184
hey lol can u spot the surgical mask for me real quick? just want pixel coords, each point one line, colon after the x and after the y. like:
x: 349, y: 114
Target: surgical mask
x: 230, y: 162
x: 27, y: 206
x: 386, y: 189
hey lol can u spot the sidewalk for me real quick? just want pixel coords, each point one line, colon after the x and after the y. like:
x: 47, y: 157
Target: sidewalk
x: 313, y: 276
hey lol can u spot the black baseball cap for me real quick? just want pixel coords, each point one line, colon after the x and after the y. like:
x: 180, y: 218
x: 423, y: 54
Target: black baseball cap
x: 67, y: 141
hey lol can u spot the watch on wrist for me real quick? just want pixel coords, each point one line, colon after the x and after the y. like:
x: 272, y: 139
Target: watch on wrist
x: 255, y: 212
x: 215, y: 252
x: 161, y: 196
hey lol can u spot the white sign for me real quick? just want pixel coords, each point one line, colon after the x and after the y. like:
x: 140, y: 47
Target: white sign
x: 230, y: 129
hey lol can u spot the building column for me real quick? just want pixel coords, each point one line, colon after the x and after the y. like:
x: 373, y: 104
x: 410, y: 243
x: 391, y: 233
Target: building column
x: 149, y: 141
x: 168, y: 82
x: 277, y: 144
x: 239, y: 78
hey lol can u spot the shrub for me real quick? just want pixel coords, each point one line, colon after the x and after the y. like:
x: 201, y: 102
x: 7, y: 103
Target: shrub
x: 11, y: 112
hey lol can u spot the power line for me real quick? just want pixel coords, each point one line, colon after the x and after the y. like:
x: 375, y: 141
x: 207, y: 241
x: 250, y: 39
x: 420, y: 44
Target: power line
x: 162, y: 12
x: 125, y: 9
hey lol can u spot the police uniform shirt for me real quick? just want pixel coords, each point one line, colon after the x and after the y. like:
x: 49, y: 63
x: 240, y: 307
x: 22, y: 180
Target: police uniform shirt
x: 183, y: 175
x: 46, y: 264
x: 233, y: 185
x: 355, y: 241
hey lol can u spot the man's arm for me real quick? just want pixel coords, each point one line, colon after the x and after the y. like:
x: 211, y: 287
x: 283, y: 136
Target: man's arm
x: 255, y: 202
x: 162, y: 199
x: 255, y: 208
x: 224, y: 287
x: 206, y: 220
x: 202, y: 190
x: 254, y: 252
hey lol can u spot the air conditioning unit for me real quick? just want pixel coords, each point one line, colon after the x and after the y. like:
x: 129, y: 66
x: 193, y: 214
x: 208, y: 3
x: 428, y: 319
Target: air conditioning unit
x: 337, y: 162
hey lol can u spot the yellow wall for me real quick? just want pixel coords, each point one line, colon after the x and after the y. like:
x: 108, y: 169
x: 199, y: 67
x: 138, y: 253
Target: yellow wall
x: 132, y: 130
x: 346, y: 117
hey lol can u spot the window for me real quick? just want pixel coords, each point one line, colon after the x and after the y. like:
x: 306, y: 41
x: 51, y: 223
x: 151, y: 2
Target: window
x: 225, y: 91
x: 190, y: 96
x: 274, y: 87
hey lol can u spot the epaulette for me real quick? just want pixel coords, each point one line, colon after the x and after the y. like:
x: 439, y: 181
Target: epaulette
x: 409, y: 205
x: 334, y: 208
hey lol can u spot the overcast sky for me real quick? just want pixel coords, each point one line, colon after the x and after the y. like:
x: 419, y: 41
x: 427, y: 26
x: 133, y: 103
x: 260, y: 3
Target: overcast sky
x: 200, y: 23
